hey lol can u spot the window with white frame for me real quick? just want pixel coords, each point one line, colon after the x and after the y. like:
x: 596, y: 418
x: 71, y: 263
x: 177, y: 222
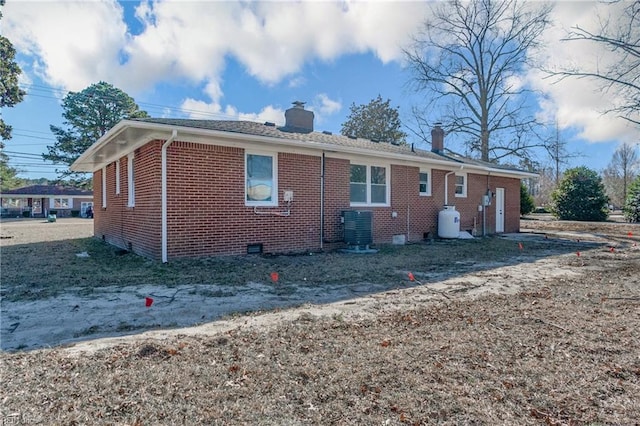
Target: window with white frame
x: 60, y: 203
x: 131, y: 181
x: 369, y: 185
x: 461, y: 185
x: 261, y: 186
x: 425, y: 182
x: 104, y: 187
x: 12, y: 203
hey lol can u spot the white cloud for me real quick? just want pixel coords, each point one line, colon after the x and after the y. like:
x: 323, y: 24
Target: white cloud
x: 579, y: 103
x: 297, y: 81
x: 72, y: 44
x: 268, y: 113
x: 214, y: 111
x: 323, y: 106
x: 75, y: 44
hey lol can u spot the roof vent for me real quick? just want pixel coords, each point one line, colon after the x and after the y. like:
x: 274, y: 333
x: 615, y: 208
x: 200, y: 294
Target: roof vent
x: 352, y: 137
x: 297, y: 119
x: 269, y: 124
x: 326, y: 132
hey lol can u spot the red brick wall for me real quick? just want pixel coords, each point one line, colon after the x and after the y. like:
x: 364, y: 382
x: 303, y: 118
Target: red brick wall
x: 511, y: 204
x: 477, y: 186
x: 207, y: 213
x: 137, y: 228
x: 336, y: 199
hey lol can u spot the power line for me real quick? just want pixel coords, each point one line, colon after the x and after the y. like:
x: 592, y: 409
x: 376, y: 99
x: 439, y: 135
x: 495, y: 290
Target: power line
x: 32, y: 131
x: 30, y: 154
x: 33, y: 137
x: 21, y: 144
x: 161, y: 108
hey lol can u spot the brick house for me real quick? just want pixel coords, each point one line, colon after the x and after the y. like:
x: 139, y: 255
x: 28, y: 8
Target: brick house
x: 40, y: 200
x: 170, y: 188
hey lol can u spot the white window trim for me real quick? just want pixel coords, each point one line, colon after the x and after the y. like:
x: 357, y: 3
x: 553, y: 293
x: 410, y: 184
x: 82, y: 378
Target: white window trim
x: 104, y: 187
x: 428, y: 173
x: 274, y: 189
x: 464, y: 186
x: 387, y: 175
x: 13, y: 203
x: 118, y: 177
x: 131, y: 182
x: 52, y: 204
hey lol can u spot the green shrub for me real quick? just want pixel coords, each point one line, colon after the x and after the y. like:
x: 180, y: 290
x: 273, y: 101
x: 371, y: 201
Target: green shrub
x: 631, y: 208
x: 75, y: 213
x: 26, y: 213
x: 580, y: 196
x: 526, y: 200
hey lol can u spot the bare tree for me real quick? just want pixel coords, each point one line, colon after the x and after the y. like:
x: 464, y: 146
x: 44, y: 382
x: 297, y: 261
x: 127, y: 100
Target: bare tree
x: 557, y: 150
x: 620, y: 36
x: 468, y: 60
x: 545, y: 185
x: 620, y: 172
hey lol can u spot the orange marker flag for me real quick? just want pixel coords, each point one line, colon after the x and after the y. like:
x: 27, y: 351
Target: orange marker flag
x: 629, y: 235
x: 578, y: 253
x: 520, y: 246
x: 274, y: 277
x: 612, y: 249
x: 411, y: 277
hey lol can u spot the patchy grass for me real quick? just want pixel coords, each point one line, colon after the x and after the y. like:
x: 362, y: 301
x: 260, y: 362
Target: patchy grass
x: 44, y: 269
x: 563, y: 351
x: 560, y: 353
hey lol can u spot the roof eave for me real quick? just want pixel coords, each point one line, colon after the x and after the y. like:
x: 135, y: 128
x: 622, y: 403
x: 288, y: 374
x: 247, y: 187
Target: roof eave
x: 94, y: 158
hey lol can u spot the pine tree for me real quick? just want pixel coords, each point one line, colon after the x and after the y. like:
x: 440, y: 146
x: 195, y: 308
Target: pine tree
x: 631, y: 209
x: 88, y: 115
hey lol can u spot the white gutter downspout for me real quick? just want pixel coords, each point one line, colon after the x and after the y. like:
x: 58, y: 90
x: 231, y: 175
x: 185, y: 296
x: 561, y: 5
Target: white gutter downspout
x: 164, y: 194
x: 446, y: 186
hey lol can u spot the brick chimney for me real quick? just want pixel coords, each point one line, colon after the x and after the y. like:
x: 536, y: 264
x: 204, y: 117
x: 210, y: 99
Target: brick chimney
x: 297, y: 119
x: 437, y: 139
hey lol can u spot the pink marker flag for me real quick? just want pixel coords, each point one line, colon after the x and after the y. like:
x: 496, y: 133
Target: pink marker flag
x: 148, y: 302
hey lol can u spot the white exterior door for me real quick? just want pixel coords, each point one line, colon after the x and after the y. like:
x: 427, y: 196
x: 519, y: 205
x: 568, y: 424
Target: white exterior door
x: 499, y: 210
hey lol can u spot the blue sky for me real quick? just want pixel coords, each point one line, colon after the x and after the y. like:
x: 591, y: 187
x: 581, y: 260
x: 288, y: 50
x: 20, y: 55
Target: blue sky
x: 249, y: 61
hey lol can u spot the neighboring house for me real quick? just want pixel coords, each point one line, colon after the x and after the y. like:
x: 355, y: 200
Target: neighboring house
x: 170, y: 188
x: 41, y: 200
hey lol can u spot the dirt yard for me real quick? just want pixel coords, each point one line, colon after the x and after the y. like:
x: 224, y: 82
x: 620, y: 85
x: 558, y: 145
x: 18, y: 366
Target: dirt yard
x: 535, y: 328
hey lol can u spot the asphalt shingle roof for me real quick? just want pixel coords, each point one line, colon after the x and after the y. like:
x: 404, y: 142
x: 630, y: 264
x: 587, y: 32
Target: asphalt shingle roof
x: 273, y: 131
x: 270, y: 130
x: 47, y: 190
